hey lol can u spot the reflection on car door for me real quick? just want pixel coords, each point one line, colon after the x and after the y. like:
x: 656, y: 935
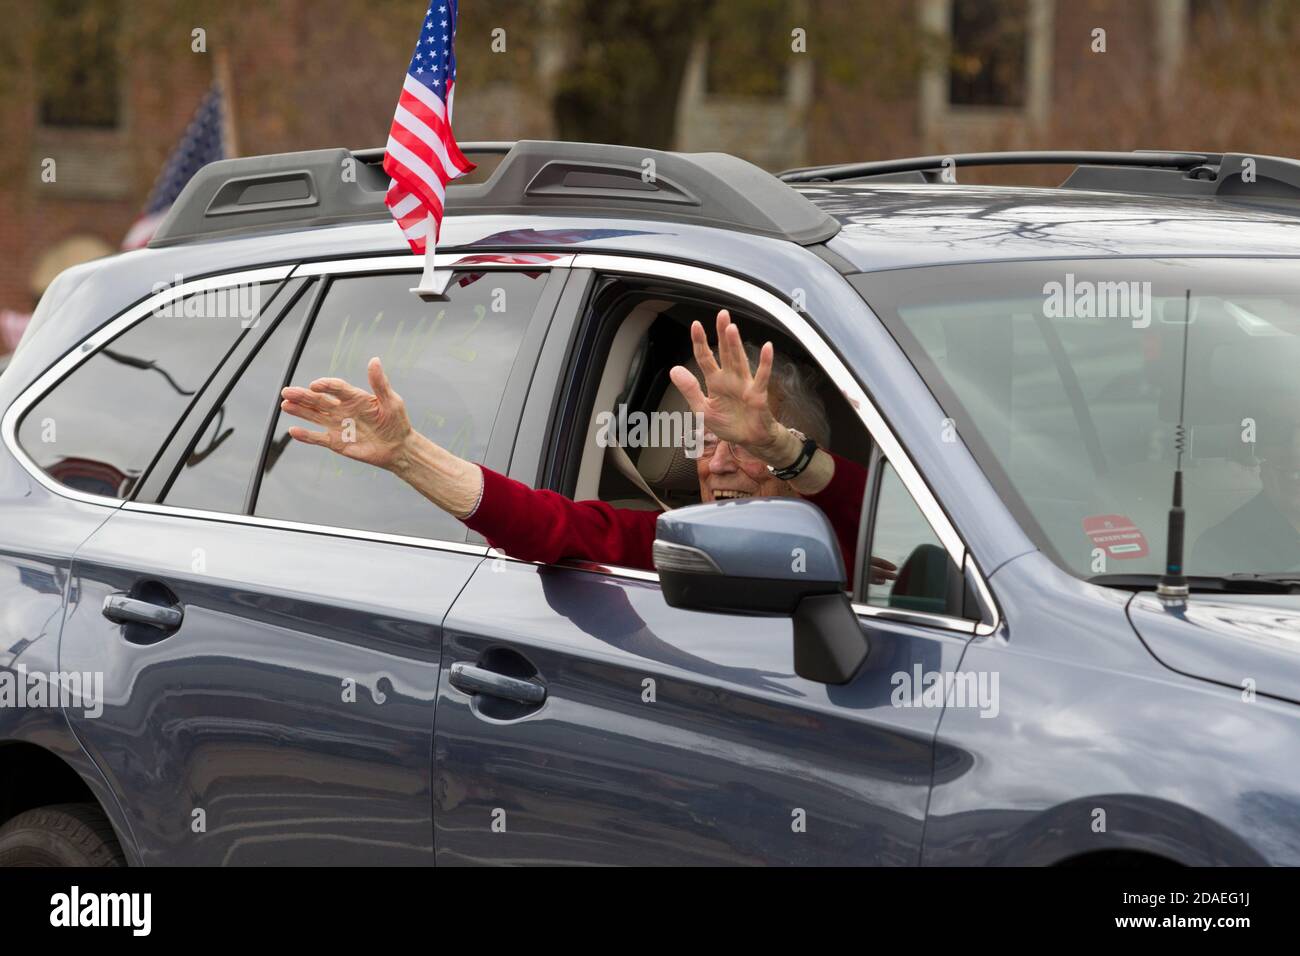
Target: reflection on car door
x: 287, y: 717
x: 284, y: 712
x: 669, y: 736
x: 582, y: 720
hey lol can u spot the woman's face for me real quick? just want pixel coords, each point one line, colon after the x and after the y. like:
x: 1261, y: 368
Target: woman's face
x: 727, y: 473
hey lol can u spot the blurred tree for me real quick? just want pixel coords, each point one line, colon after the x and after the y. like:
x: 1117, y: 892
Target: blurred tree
x: 80, y: 90
x: 986, y: 66
x: 749, y: 46
x: 311, y: 73
x: 624, y: 72
x: 869, y: 59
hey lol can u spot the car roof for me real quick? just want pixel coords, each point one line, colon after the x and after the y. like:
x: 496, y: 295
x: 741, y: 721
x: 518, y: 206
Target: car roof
x: 565, y: 196
x: 564, y: 234
x: 881, y: 227
x: 902, y: 226
x: 88, y: 295
x: 791, y: 235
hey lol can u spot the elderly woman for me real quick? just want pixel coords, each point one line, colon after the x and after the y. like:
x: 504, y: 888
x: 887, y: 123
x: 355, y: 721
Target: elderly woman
x: 749, y: 450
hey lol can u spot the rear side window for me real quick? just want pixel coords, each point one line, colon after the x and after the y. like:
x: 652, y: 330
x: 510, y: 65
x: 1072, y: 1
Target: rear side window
x: 218, y: 471
x: 449, y: 361
x: 100, y: 427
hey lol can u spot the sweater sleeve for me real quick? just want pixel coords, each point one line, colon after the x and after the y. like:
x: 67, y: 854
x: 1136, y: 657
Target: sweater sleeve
x: 545, y: 526
x: 842, y: 500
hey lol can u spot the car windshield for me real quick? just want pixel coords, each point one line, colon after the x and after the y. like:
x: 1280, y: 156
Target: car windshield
x: 1064, y: 379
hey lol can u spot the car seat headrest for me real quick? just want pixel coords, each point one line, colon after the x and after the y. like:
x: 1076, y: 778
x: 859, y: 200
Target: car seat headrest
x: 669, y: 469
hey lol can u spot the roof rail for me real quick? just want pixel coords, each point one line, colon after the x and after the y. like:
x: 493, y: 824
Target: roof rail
x: 1235, y: 176
x: 297, y: 190
x: 375, y: 156
x: 264, y: 193
x: 935, y: 165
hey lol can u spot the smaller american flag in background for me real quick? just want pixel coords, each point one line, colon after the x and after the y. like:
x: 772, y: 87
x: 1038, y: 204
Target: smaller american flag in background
x: 422, y: 156
x: 203, y: 143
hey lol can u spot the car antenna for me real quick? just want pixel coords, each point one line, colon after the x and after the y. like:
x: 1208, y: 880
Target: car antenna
x: 1173, y: 583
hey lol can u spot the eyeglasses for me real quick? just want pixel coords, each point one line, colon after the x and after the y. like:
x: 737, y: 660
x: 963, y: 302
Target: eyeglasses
x: 710, y: 445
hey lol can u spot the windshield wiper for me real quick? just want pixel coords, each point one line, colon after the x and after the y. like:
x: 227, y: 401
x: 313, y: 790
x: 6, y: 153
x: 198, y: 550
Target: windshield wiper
x: 1240, y: 582
x: 1280, y: 577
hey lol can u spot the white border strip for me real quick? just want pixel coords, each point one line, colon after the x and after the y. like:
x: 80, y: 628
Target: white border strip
x: 944, y: 621
x: 437, y: 544
x: 450, y: 260
x: 29, y: 395
x: 794, y: 323
x: 917, y: 617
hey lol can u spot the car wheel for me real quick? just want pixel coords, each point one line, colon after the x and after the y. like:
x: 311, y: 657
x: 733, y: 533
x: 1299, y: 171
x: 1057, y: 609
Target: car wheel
x: 69, y: 834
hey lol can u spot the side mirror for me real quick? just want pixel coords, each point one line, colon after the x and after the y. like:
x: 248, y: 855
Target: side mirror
x: 765, y: 556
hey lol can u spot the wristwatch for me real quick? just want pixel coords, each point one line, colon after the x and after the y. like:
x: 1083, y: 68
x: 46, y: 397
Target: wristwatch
x: 792, y: 471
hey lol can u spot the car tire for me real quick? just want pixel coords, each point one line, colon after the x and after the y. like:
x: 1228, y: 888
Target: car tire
x: 69, y: 834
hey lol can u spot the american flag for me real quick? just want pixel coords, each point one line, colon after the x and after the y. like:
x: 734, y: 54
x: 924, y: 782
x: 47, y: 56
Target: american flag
x: 517, y: 259
x: 422, y: 156
x: 202, y: 143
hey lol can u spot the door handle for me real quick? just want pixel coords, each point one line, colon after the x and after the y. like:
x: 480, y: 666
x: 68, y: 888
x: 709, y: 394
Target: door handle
x: 478, y: 680
x: 123, y: 609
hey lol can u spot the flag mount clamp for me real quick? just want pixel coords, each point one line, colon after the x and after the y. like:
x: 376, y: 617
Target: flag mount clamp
x: 433, y: 282
x: 433, y: 285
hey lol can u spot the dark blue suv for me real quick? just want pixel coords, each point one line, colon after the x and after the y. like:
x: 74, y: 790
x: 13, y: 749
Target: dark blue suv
x: 220, y: 646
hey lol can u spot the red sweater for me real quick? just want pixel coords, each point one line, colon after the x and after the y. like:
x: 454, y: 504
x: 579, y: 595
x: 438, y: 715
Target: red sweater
x: 545, y: 526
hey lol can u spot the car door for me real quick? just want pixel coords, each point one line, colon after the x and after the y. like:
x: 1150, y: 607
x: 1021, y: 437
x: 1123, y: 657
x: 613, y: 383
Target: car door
x: 266, y: 615
x: 583, y: 720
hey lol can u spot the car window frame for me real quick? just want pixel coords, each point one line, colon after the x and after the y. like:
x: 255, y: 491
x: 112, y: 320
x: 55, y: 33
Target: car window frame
x: 500, y: 442
x: 596, y: 266
x: 561, y: 467
x: 506, y: 421
x: 964, y: 600
x: 174, y: 453
x: 91, y: 345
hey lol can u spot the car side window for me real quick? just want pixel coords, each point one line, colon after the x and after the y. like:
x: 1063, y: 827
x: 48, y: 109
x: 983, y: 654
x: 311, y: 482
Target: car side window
x: 448, y: 360
x: 219, y: 468
x: 901, y: 535
x: 99, y: 429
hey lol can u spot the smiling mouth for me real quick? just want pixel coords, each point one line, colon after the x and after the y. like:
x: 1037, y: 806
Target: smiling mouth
x: 728, y: 495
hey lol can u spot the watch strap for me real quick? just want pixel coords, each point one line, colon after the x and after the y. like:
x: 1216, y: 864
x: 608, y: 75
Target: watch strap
x: 794, y: 470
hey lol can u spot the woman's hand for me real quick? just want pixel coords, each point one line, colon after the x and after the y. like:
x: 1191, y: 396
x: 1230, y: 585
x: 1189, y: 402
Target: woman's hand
x: 358, y: 424
x: 374, y: 428
x: 733, y: 403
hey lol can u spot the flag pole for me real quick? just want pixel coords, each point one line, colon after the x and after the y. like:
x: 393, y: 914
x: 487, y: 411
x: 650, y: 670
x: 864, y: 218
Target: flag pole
x: 433, y: 282
x: 422, y: 160
x: 221, y: 69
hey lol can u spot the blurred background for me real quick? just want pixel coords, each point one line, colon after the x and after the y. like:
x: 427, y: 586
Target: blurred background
x: 105, y: 105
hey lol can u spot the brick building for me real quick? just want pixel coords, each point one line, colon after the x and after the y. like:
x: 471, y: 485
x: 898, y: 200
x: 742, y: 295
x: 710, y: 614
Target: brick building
x: 87, y: 132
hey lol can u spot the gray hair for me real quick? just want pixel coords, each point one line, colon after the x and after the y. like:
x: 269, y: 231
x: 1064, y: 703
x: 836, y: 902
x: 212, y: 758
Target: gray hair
x: 792, y: 392
x: 794, y: 397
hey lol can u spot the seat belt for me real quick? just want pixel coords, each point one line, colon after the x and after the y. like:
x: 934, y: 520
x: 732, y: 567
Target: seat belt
x: 623, y: 462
